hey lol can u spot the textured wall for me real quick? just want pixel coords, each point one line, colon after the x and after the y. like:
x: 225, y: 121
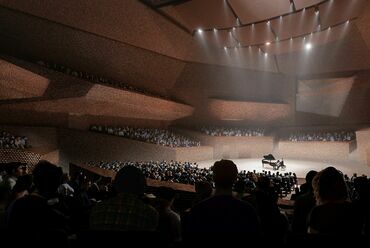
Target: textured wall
x: 313, y: 150
x: 16, y: 155
x: 250, y: 111
x: 363, y: 143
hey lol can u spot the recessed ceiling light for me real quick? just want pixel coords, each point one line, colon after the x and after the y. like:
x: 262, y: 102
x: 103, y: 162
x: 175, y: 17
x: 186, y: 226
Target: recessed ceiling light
x: 308, y: 46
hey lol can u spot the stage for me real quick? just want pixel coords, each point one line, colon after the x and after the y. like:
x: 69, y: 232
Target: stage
x: 300, y: 167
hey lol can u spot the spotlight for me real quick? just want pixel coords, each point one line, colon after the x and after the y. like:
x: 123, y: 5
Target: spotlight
x: 265, y: 54
x: 200, y: 30
x: 225, y: 48
x: 308, y: 46
x: 268, y: 23
x: 268, y: 43
x: 233, y: 28
x: 214, y: 30
x: 347, y: 21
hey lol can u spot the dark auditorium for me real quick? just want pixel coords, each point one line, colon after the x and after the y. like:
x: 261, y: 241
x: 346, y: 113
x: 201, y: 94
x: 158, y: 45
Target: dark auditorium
x: 184, y: 123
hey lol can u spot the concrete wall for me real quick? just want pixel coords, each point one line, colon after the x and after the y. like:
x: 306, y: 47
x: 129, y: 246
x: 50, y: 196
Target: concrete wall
x: 314, y: 150
x: 363, y: 144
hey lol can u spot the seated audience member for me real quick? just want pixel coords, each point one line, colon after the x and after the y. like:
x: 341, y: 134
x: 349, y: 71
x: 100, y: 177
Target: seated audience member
x: 222, y: 217
x: 362, y: 201
x: 169, y: 225
x: 35, y: 211
x: 203, y: 190
x: 127, y: 210
x: 265, y: 198
x: 13, y: 171
x: 303, y: 204
x: 22, y: 188
x: 334, y: 214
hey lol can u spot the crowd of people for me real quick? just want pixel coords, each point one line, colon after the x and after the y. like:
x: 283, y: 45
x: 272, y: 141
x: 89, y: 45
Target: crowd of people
x: 8, y: 140
x: 323, y: 136
x: 228, y: 131
x: 151, y: 135
x: 190, y: 173
x: 49, y: 200
x: 95, y: 79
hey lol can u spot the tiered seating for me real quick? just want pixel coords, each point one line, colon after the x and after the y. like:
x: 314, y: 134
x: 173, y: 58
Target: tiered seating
x: 340, y: 136
x: 8, y: 140
x: 229, y: 131
x: 151, y: 135
x: 95, y: 78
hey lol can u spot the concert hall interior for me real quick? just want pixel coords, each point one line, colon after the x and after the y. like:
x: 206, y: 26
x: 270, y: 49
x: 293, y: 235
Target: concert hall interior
x: 185, y: 122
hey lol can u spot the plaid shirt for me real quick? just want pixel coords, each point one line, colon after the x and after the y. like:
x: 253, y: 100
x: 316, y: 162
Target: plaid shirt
x: 126, y: 212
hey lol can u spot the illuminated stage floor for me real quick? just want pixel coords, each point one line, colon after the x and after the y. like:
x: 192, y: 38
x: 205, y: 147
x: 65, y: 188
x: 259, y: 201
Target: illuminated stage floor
x: 300, y: 167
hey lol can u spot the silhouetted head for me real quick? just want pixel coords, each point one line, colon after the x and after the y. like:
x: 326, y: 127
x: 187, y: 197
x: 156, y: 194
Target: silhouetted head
x: 310, y: 175
x: 203, y: 189
x: 329, y: 186
x: 130, y: 179
x: 225, y: 173
x: 47, y: 177
x: 166, y: 193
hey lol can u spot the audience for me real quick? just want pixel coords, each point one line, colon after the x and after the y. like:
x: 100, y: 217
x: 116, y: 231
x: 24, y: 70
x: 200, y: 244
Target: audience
x: 189, y: 173
x: 227, y: 131
x: 36, y: 211
x: 151, y: 135
x: 333, y: 204
x: 169, y: 225
x: 334, y: 213
x: 303, y: 204
x: 95, y: 79
x: 222, y: 218
x: 126, y: 211
x: 8, y: 140
x: 323, y: 136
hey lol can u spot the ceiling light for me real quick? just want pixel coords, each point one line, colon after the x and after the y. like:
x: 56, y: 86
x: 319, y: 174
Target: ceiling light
x: 308, y: 46
x: 347, y: 21
x: 268, y: 23
x: 214, y: 30
x: 265, y: 54
x: 225, y: 48
x: 233, y: 28
x: 200, y: 30
x: 268, y: 43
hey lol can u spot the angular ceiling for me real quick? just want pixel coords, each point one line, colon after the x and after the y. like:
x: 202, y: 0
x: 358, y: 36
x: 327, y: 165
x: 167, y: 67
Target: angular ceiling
x: 245, y: 51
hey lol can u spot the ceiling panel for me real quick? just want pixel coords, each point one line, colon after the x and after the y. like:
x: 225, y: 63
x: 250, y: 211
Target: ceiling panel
x: 203, y: 14
x: 257, y: 10
x: 254, y: 34
x: 218, y: 38
x: 316, y: 39
x: 295, y: 24
x: 16, y: 82
x: 337, y: 11
x: 300, y: 4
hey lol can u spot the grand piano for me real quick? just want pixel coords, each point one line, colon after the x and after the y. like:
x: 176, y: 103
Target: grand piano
x: 271, y: 161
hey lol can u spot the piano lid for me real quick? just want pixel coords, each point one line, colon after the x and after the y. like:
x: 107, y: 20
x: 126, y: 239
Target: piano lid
x: 269, y: 157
